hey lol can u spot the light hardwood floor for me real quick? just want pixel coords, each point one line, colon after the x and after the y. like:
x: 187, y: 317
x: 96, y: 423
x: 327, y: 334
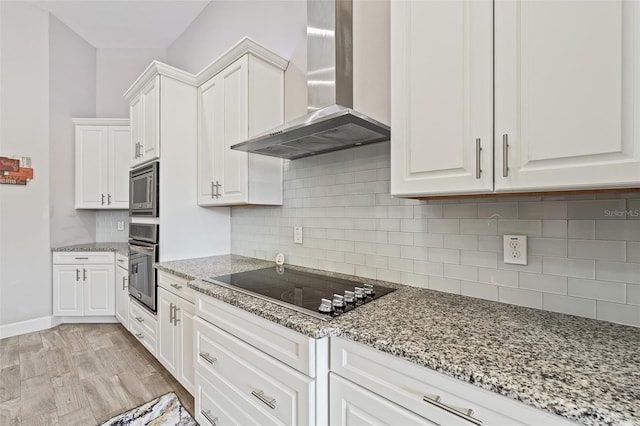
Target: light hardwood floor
x: 78, y: 374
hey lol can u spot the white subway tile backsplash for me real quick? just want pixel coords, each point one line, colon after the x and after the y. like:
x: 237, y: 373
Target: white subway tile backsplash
x: 594, y: 249
x: 389, y: 275
x: 479, y: 226
x: 447, y: 285
x: 478, y: 258
x: 456, y: 241
x: 534, y: 264
x: 401, y: 238
x: 416, y: 280
x: 428, y: 211
x: 392, y: 225
x: 428, y: 268
x: 380, y: 262
x: 389, y: 250
x: 514, y: 296
x: 424, y: 239
x: 413, y: 225
x: 498, y: 277
x: 531, y: 228
x: 619, y: 230
x: 461, y: 272
x: 633, y: 208
x: 618, y: 271
x: 481, y: 291
x: 633, y: 294
x: 416, y: 253
x: 366, y: 271
x: 444, y: 226
x: 578, y: 268
x: 400, y: 212
x: 547, y: 246
x: 365, y: 248
x: 542, y: 210
x: 354, y: 258
x: 619, y: 313
x: 490, y: 243
x: 582, y: 229
x: 554, y: 228
x: 633, y: 251
x: 596, y: 209
x: 460, y: 211
x: 399, y: 264
x: 444, y: 255
x: 599, y: 290
x: 543, y: 283
x: 498, y: 210
x: 569, y: 305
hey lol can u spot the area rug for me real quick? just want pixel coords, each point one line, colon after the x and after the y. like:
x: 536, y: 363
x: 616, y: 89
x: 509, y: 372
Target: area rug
x: 166, y: 410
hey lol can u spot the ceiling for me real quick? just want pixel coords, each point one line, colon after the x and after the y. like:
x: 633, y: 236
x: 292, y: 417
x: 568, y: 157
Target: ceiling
x: 119, y: 24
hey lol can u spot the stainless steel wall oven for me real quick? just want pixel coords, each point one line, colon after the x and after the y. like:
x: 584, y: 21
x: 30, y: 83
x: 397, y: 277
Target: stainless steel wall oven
x: 143, y: 252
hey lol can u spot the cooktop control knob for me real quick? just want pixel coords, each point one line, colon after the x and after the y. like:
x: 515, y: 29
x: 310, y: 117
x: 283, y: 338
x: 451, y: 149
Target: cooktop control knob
x: 368, y: 290
x: 338, y: 301
x: 359, y: 291
x: 325, y: 306
x: 349, y: 296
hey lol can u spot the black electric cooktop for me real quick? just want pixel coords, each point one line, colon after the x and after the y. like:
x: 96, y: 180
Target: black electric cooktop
x: 317, y: 295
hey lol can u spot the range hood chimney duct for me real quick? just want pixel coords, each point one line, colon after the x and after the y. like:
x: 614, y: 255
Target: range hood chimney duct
x: 331, y: 123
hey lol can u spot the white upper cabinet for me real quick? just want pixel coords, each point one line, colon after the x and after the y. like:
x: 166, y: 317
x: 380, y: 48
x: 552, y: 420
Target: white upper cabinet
x: 102, y: 163
x: 567, y: 90
x: 441, y: 97
x: 242, y: 96
x: 144, y: 113
x: 564, y: 96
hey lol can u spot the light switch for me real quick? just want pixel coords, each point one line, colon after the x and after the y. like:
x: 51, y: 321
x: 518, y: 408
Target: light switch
x: 297, y: 234
x: 120, y: 225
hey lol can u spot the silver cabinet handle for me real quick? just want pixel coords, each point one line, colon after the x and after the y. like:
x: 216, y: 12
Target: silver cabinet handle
x: 207, y: 415
x: 140, y: 336
x: 171, y: 312
x: 465, y: 413
x: 77, y: 275
x: 478, y: 149
x: 81, y: 258
x: 84, y: 274
x: 108, y: 199
x: 271, y: 403
x: 207, y: 357
x: 140, y: 319
x: 124, y: 287
x: 213, y: 190
x: 102, y: 199
x: 505, y: 155
x: 175, y: 315
x: 176, y: 286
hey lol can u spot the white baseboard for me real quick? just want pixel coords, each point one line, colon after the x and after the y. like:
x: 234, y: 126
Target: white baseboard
x: 45, y: 323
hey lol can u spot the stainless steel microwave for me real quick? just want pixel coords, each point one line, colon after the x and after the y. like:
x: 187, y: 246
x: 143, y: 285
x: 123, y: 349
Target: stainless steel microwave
x: 144, y: 190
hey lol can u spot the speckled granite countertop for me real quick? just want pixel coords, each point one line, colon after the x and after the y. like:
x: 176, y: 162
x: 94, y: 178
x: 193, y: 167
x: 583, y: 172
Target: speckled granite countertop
x: 585, y: 370
x: 122, y: 248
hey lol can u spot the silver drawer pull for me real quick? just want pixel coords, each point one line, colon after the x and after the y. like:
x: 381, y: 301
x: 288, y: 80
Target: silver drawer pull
x: 140, y: 336
x: 465, y: 413
x: 207, y: 415
x: 207, y: 357
x: 139, y: 319
x: 271, y: 403
x: 81, y: 258
x: 176, y: 286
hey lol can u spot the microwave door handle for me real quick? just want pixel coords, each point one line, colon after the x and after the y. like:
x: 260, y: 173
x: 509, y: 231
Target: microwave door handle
x: 150, y: 185
x: 141, y: 249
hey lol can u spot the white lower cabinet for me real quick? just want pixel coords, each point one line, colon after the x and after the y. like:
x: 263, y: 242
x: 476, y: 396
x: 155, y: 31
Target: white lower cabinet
x: 144, y: 326
x: 83, y: 284
x: 176, y: 313
x: 261, y: 368
x: 353, y: 405
x: 122, y: 289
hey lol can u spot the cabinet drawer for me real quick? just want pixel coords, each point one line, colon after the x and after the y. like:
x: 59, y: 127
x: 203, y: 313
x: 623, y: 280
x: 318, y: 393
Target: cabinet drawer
x: 294, y: 349
x: 82, y: 257
x: 143, y: 336
x: 267, y: 389
x: 141, y: 321
x: 176, y: 285
x: 122, y: 261
x: 215, y: 408
x: 406, y: 384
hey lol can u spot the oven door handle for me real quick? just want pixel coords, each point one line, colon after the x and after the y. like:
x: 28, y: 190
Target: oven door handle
x: 141, y: 249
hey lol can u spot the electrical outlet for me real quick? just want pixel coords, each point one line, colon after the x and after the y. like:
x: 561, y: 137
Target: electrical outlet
x: 297, y: 234
x: 515, y: 249
x: 120, y: 225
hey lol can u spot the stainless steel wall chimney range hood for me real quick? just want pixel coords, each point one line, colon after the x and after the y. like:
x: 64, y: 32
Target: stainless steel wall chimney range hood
x: 331, y: 124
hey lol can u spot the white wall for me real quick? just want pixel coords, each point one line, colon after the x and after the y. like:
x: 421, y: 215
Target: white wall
x: 116, y: 70
x: 25, y: 259
x: 73, y: 94
x: 278, y: 25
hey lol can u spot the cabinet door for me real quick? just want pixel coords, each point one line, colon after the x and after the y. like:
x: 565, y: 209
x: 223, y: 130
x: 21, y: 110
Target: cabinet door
x: 167, y: 331
x: 135, y: 117
x: 151, y: 121
x: 122, y: 296
x: 67, y: 290
x: 98, y: 290
x: 119, y: 145
x: 186, y: 369
x: 566, y: 85
x: 230, y: 168
x: 210, y: 130
x: 349, y: 404
x: 91, y: 167
x: 441, y: 97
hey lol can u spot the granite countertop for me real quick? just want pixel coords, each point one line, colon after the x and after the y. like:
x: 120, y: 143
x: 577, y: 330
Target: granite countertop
x: 121, y: 248
x: 585, y: 370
